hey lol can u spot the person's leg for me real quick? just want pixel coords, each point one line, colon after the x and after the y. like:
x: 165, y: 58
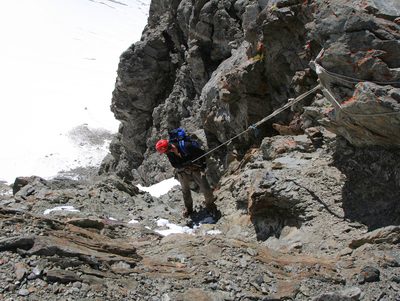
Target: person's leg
x: 184, y: 179
x: 201, y: 180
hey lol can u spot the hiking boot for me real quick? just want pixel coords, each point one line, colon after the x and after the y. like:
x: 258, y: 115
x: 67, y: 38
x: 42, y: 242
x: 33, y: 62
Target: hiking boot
x: 187, y: 212
x: 213, y: 211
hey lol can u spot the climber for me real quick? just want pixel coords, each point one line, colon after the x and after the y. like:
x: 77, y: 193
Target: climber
x: 181, y: 156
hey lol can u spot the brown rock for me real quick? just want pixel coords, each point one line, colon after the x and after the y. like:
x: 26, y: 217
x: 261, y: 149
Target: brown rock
x: 293, y: 129
x: 80, y: 242
x: 98, y: 273
x: 202, y: 295
x: 94, y: 281
x: 285, y: 290
x: 62, y: 276
x: 16, y: 242
x: 390, y: 234
x: 87, y: 223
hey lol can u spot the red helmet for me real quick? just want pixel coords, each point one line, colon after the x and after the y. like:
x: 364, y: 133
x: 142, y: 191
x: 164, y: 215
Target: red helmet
x: 162, y: 146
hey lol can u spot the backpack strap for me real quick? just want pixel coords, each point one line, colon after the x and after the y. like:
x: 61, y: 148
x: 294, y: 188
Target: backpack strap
x: 183, y: 148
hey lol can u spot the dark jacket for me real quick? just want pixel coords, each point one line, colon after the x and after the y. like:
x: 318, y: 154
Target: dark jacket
x: 194, y: 152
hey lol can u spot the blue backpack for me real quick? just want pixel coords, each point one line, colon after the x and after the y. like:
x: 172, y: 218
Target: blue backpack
x: 179, y: 136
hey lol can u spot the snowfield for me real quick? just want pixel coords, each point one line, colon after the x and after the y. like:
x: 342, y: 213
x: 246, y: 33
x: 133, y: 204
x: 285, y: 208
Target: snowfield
x: 58, y: 69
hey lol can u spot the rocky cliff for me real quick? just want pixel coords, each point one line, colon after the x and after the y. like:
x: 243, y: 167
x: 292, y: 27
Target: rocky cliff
x: 309, y: 206
x: 217, y: 67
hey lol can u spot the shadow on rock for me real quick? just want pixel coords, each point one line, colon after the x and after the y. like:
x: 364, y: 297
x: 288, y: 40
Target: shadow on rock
x: 203, y: 217
x: 372, y: 186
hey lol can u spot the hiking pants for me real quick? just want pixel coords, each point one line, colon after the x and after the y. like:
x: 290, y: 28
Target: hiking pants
x: 184, y: 177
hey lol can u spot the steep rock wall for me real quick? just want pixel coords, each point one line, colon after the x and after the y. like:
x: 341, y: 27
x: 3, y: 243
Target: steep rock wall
x: 216, y: 67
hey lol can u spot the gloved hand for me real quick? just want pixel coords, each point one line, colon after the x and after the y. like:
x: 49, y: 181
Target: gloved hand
x: 188, y: 163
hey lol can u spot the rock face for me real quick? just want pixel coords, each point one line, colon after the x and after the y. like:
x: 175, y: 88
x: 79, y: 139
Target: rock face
x: 217, y: 67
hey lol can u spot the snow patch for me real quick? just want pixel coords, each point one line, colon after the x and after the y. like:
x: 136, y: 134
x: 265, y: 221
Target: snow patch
x: 176, y: 229
x: 214, y: 232
x: 172, y: 228
x: 61, y: 208
x: 161, y: 188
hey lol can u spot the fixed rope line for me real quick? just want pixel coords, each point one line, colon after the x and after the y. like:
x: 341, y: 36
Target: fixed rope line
x: 289, y: 104
x: 353, y: 80
x: 254, y: 126
x: 345, y: 78
x: 355, y: 114
x: 320, y: 70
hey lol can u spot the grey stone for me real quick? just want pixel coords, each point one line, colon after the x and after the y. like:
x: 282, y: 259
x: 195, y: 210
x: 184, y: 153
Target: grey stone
x: 20, y: 271
x: 354, y: 292
x: 23, y: 292
x: 368, y: 274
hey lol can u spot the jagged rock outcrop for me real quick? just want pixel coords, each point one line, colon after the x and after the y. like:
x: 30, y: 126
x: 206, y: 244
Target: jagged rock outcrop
x: 217, y: 67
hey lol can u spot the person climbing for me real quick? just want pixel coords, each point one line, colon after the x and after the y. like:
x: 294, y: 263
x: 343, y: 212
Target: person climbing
x: 181, y: 154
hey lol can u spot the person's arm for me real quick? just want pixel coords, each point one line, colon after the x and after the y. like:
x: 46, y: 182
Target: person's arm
x: 196, y: 152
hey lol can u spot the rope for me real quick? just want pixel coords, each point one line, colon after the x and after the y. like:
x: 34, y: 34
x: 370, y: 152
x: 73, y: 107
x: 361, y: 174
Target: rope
x: 321, y: 70
x: 353, y: 80
x: 254, y: 126
x: 345, y: 78
x: 289, y: 104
